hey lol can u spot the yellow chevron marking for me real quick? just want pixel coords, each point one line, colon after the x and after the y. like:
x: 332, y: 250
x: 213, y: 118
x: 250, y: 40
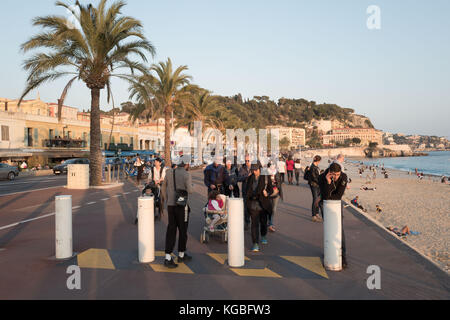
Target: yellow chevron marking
x: 95, y: 259
x: 313, y: 264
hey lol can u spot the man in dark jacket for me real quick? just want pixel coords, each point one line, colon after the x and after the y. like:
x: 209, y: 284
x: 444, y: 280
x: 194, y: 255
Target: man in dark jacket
x: 333, y: 183
x: 231, y: 180
x: 214, y: 176
x: 244, y: 174
x: 258, y: 204
x: 313, y: 181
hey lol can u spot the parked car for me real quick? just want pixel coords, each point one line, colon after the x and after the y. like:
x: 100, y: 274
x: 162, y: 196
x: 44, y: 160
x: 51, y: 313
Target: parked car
x: 62, y: 168
x: 8, y: 172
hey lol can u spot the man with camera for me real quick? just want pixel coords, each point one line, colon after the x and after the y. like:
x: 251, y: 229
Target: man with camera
x: 178, y: 184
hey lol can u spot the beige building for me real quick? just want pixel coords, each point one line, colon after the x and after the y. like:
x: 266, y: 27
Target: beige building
x: 342, y: 134
x: 296, y: 136
x: 34, y: 129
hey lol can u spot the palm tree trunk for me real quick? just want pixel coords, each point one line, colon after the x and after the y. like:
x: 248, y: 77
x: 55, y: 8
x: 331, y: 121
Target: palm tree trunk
x: 95, y: 157
x: 167, y: 137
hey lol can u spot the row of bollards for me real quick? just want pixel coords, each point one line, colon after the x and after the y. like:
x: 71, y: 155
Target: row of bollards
x: 236, y: 251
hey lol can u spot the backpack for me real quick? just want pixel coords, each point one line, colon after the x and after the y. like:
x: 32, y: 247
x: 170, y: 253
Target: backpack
x: 307, y: 173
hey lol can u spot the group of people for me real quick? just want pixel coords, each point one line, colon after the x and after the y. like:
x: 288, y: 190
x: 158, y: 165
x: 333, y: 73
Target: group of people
x: 261, y: 192
x: 260, y: 186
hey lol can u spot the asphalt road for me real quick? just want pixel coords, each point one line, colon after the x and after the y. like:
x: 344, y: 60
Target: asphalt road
x: 106, y: 242
x: 23, y: 184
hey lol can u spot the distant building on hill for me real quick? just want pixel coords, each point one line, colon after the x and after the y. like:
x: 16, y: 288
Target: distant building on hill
x: 347, y: 134
x: 296, y: 136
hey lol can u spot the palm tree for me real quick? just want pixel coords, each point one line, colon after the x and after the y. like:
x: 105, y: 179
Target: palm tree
x: 165, y: 91
x: 90, y: 53
x: 202, y: 107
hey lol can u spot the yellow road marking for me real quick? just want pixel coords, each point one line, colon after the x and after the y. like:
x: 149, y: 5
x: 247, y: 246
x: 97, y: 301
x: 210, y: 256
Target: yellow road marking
x: 182, y: 268
x: 313, y: 264
x: 95, y: 259
x: 256, y: 273
x: 221, y: 257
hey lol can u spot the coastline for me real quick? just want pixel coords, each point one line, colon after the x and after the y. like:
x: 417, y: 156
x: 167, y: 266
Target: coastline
x: 422, y: 205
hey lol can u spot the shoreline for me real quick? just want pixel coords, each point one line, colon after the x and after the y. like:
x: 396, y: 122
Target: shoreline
x: 405, y: 200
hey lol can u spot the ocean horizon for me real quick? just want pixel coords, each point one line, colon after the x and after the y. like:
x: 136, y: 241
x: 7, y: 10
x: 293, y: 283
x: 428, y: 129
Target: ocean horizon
x: 435, y: 163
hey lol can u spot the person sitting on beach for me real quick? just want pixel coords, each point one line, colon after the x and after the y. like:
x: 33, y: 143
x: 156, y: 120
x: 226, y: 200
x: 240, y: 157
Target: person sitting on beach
x: 215, y: 203
x: 378, y: 209
x: 356, y: 204
x: 366, y: 188
x: 444, y: 180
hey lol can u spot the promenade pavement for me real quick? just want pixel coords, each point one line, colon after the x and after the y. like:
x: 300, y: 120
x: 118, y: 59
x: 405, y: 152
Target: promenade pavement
x: 288, y: 267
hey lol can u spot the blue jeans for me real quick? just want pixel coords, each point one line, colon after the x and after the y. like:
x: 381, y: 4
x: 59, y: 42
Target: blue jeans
x: 315, y: 194
x: 274, y: 209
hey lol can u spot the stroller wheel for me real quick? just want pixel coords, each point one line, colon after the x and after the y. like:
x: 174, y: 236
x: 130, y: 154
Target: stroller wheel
x: 202, y: 237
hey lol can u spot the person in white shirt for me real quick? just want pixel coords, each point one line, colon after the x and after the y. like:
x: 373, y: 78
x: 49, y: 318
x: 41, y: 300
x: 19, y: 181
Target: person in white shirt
x: 281, y: 166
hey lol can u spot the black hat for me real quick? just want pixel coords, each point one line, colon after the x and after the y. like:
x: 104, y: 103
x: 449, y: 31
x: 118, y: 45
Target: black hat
x: 255, y: 166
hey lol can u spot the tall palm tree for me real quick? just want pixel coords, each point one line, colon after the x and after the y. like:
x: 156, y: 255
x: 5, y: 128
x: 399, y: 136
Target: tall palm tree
x: 166, y: 90
x: 102, y: 44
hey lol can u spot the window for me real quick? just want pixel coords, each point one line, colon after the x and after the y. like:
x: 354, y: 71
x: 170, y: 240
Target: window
x: 5, y: 133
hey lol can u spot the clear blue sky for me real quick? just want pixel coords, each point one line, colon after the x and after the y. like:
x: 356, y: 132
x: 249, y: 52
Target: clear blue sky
x: 399, y: 76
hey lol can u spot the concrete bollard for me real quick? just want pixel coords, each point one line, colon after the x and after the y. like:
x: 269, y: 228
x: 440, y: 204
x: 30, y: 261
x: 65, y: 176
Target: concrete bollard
x: 332, y: 234
x: 63, y: 222
x: 236, y: 251
x: 146, y: 229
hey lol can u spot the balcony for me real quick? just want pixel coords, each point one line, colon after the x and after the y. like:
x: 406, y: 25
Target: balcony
x: 66, y: 143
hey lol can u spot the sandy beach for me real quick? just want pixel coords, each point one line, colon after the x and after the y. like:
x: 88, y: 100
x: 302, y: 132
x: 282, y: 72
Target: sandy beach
x: 422, y: 205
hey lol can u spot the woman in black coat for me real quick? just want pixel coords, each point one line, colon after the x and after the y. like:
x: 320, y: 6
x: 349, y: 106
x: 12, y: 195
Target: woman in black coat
x: 259, y: 206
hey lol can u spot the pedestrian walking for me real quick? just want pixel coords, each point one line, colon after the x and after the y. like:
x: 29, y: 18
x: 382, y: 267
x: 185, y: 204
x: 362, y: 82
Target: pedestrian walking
x: 297, y: 169
x: 155, y: 181
x: 312, y: 175
x: 244, y: 174
x: 281, y: 166
x: 231, y: 187
x: 276, y: 195
x: 290, y: 170
x: 258, y: 204
x: 178, y: 188
x: 139, y: 165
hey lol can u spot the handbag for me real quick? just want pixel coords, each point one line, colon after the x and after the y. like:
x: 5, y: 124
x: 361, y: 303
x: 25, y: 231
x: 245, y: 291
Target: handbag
x: 276, y: 191
x: 181, y: 196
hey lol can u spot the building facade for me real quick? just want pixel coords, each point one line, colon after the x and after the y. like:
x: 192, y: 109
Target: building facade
x: 340, y: 135
x: 296, y: 136
x: 33, y: 129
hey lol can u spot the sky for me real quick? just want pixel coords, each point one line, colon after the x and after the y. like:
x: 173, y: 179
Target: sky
x: 397, y: 75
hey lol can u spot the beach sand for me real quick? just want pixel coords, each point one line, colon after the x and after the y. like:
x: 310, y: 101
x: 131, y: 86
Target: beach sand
x: 422, y: 205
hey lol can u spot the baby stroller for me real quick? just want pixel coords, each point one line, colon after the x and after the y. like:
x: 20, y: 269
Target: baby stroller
x: 220, y: 227
x: 155, y: 191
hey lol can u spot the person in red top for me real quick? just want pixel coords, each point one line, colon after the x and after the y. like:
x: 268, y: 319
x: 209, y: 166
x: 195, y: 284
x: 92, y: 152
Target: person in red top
x: 290, y: 170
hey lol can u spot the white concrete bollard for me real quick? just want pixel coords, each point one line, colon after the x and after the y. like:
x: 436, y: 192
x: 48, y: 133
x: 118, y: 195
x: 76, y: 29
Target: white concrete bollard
x: 146, y: 229
x: 236, y: 251
x: 332, y: 234
x: 63, y: 222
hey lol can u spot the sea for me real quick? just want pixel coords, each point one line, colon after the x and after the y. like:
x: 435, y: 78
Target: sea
x: 435, y: 163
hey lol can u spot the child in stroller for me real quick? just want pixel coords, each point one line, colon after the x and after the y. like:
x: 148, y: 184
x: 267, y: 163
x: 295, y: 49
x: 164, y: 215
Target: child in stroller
x: 215, y: 217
